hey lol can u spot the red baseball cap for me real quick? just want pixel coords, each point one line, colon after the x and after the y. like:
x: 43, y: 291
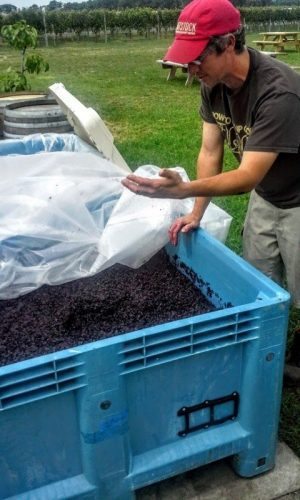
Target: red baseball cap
x: 198, y: 21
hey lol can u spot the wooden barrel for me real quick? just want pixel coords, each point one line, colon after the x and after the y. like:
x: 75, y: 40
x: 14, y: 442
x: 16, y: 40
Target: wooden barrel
x: 34, y: 117
x: 11, y: 97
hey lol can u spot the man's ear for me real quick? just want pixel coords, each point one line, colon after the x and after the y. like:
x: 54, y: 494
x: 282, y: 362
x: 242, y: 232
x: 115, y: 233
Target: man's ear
x: 231, y: 41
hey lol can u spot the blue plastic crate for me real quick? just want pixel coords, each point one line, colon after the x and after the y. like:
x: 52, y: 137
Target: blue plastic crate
x: 104, y: 419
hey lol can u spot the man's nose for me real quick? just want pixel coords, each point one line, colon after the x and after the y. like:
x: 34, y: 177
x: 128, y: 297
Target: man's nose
x: 193, y: 69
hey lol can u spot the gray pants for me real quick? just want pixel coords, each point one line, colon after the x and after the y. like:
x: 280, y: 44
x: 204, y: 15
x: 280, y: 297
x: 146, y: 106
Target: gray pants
x: 271, y: 242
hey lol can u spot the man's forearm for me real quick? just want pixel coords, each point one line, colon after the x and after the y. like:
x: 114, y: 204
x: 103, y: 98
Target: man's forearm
x: 207, y: 166
x: 200, y: 205
x: 226, y: 183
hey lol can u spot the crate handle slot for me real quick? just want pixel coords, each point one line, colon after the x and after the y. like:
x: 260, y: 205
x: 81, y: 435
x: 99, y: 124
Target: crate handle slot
x: 186, y: 411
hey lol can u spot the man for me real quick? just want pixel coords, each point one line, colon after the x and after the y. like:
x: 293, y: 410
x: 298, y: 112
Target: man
x: 252, y: 102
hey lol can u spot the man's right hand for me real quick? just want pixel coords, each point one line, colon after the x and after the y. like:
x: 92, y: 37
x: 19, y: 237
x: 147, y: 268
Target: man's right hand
x: 183, y: 224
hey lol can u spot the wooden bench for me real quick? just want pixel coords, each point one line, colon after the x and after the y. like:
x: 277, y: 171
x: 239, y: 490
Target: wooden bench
x: 261, y: 44
x: 172, y: 67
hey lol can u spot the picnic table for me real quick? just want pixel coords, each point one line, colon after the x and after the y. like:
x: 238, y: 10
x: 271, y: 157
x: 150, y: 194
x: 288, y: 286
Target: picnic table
x: 279, y: 39
x: 172, y: 67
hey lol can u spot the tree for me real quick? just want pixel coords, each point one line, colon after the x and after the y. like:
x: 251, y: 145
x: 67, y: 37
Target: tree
x: 53, y: 5
x: 33, y: 17
x: 7, y: 8
x: 21, y: 36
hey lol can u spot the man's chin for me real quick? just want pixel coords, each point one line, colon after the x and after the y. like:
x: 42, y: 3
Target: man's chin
x: 205, y: 79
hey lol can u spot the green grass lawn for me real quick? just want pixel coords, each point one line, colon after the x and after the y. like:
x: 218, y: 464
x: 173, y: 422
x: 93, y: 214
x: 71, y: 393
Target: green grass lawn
x: 153, y: 122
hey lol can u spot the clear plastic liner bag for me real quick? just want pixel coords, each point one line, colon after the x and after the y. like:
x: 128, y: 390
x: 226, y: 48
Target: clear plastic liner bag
x: 66, y: 215
x: 216, y: 222
x: 39, y: 143
x: 138, y: 226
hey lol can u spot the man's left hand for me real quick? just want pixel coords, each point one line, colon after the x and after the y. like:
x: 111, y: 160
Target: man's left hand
x: 170, y: 185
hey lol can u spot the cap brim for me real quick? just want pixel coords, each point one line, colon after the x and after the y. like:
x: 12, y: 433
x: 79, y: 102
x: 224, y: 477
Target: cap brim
x: 185, y: 51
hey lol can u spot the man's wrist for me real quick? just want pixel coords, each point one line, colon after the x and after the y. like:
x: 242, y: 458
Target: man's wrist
x: 200, y: 206
x: 185, y: 190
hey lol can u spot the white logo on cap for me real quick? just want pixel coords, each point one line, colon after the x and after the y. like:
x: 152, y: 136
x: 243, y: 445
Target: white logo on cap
x: 185, y: 28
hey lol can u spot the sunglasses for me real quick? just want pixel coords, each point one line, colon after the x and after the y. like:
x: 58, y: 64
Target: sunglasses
x: 200, y: 59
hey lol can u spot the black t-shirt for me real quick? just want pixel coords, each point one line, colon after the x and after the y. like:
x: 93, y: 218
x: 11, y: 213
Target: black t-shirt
x: 263, y: 115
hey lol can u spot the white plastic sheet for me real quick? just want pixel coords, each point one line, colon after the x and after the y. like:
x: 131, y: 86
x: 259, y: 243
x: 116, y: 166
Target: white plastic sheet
x: 66, y: 215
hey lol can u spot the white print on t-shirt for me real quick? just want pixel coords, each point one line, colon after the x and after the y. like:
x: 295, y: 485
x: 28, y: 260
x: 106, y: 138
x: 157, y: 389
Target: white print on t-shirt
x: 235, y: 135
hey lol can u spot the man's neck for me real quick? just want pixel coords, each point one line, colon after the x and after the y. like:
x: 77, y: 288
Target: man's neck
x: 239, y: 70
